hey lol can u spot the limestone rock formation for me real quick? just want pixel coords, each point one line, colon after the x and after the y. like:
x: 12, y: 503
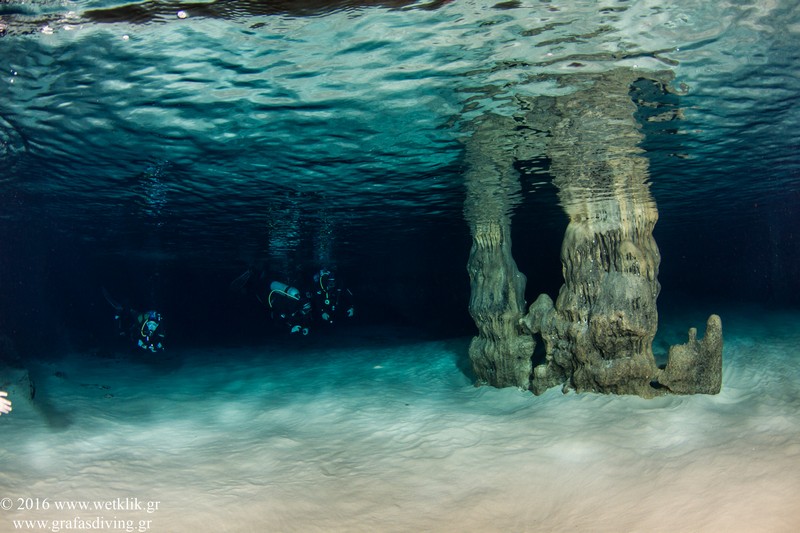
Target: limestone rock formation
x: 599, y: 332
x: 501, y: 353
x: 696, y: 367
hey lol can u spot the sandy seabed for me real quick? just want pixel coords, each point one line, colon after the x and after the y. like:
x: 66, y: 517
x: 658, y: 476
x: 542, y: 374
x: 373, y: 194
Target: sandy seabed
x: 387, y: 433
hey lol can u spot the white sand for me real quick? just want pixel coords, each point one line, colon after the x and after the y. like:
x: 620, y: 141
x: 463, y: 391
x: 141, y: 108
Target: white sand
x: 387, y: 436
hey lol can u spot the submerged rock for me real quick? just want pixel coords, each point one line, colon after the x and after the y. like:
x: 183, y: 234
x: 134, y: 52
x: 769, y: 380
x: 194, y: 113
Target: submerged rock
x: 501, y: 353
x: 598, y: 334
x: 696, y: 367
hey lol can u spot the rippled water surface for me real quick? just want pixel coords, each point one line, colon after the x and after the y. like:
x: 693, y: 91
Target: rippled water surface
x: 216, y: 134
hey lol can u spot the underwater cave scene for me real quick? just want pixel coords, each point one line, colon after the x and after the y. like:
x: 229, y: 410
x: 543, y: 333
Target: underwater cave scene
x: 399, y: 266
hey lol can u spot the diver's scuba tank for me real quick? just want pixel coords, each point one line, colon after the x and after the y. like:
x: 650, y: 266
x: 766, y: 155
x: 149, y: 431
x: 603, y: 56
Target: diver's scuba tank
x: 284, y: 289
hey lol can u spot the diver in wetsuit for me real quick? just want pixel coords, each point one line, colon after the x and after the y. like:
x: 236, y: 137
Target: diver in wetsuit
x: 145, y: 330
x: 331, y: 303
x: 288, y: 306
x: 149, y: 331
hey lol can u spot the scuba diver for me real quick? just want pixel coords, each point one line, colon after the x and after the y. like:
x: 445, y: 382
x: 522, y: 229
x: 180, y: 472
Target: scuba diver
x: 288, y: 306
x: 331, y: 302
x: 149, y: 331
x: 145, y: 330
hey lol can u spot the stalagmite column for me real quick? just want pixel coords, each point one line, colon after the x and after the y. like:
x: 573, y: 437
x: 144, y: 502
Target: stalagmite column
x: 598, y: 335
x: 501, y: 353
x: 696, y: 367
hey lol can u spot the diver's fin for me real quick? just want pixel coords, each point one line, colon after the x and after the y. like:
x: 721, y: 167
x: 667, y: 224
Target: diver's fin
x: 239, y: 283
x: 111, y: 301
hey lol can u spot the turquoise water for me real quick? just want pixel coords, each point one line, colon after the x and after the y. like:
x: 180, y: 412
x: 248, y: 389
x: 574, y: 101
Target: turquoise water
x: 160, y: 149
x: 383, y: 431
x: 160, y: 154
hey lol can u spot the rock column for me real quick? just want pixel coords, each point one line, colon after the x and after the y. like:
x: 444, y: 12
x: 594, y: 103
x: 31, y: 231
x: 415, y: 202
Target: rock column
x: 501, y: 353
x: 598, y: 334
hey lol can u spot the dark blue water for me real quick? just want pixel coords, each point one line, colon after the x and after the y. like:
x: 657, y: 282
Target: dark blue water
x: 161, y: 156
